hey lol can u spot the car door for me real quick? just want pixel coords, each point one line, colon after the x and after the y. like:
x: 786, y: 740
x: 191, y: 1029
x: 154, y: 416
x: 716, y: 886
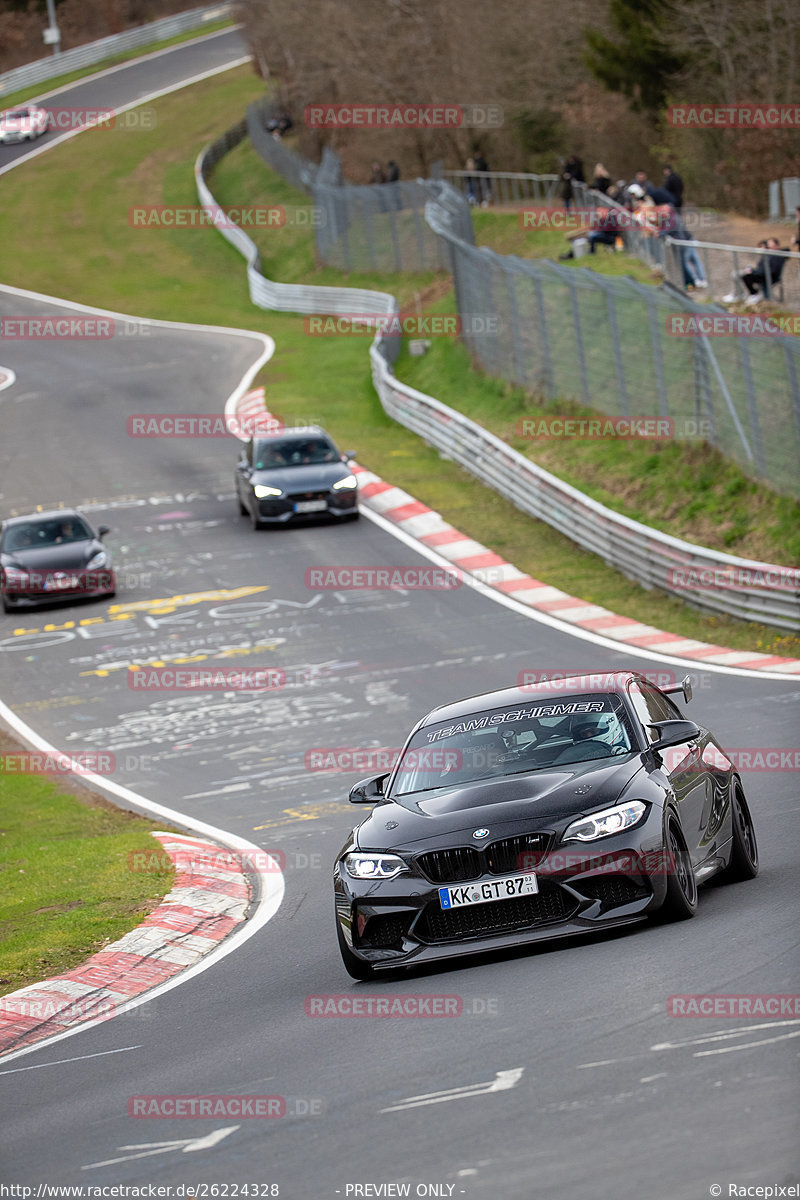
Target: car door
x: 684, y: 766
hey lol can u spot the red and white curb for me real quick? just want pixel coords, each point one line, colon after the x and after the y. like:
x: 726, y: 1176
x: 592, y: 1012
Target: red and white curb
x: 209, y: 898
x: 418, y: 521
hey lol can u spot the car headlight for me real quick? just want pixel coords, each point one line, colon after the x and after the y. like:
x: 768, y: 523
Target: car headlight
x: 261, y: 490
x: 374, y: 866
x: 349, y: 481
x: 603, y: 824
x: 14, y: 577
x: 97, y: 560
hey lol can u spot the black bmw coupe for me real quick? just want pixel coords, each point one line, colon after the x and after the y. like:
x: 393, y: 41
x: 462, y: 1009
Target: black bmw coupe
x: 535, y: 813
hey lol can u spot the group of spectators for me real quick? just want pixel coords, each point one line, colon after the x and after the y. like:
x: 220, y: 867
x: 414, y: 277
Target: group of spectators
x: 390, y: 175
x: 279, y: 125
x: 654, y: 208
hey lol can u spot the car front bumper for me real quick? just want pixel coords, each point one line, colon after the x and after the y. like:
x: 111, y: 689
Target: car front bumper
x: 280, y: 510
x: 91, y: 586
x: 582, y: 888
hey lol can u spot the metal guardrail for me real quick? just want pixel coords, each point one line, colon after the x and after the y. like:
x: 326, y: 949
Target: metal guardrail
x: 377, y: 227
x: 94, y: 52
x: 711, y: 580
x: 504, y: 187
x: 724, y: 265
x: 716, y: 582
x: 266, y: 293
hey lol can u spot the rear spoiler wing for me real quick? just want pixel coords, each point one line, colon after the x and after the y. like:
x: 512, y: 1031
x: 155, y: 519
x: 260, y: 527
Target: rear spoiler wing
x: 684, y: 686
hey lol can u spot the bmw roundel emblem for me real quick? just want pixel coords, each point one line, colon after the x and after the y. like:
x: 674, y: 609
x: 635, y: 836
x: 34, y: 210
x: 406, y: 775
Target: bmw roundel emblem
x: 481, y: 833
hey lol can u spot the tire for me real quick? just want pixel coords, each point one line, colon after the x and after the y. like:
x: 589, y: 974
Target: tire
x: 356, y: 968
x: 743, y: 862
x: 680, y: 902
x: 354, y: 516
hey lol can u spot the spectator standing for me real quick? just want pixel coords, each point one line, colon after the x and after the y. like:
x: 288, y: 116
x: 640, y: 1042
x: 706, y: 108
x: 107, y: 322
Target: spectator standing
x: 377, y: 175
x: 484, y: 184
x: 575, y: 168
x: 674, y: 185
x: 392, y: 171
x: 470, y: 181
x: 572, y: 171
x: 602, y: 179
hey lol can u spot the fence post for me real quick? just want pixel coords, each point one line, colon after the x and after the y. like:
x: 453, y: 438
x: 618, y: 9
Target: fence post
x: 547, y: 375
x: 576, y: 321
x: 519, y: 357
x: 752, y: 405
x: 702, y: 391
x: 658, y: 356
x: 618, y: 364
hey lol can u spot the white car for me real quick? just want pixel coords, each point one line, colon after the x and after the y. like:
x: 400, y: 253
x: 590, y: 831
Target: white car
x: 23, y: 124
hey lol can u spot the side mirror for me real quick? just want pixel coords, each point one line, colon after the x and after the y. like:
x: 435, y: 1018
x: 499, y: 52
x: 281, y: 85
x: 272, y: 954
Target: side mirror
x: 102, y: 530
x: 368, y: 791
x: 348, y: 454
x: 674, y: 733
x: 684, y: 686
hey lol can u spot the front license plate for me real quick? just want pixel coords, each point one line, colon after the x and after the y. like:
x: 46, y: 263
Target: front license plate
x: 64, y: 583
x: 505, y: 888
x: 310, y: 506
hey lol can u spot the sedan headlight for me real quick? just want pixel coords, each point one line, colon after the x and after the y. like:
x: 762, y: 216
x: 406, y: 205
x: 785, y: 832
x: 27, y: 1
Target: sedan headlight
x: 603, y: 824
x: 261, y: 490
x: 349, y: 481
x: 97, y: 560
x: 374, y: 866
x: 14, y: 577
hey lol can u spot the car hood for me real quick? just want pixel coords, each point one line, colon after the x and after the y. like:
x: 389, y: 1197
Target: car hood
x: 310, y: 478
x: 69, y: 557
x: 534, y: 799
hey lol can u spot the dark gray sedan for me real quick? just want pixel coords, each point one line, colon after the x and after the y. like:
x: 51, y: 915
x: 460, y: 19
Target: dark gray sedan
x: 296, y: 474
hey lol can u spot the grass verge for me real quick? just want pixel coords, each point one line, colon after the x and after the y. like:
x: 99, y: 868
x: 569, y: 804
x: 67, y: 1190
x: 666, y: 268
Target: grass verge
x: 87, y: 250
x: 66, y: 889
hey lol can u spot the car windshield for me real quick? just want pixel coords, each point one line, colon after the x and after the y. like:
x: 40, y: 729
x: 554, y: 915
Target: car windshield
x: 56, y: 531
x: 294, y: 452
x: 536, y: 736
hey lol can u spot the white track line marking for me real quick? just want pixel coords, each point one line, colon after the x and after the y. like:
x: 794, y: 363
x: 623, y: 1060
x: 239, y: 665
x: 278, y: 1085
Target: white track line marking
x: 503, y: 1081
x: 78, y: 1058
x: 272, y: 884
x: 585, y: 635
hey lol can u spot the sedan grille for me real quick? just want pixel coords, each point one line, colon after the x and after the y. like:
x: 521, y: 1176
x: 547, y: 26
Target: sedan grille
x: 308, y: 495
x: 519, y: 853
x: 499, y: 916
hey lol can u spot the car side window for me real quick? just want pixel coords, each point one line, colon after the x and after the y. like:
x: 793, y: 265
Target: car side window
x: 671, y: 710
x: 646, y: 705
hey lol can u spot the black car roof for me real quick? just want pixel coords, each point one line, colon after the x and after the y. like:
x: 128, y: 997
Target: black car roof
x: 292, y: 431
x: 613, y: 681
x: 59, y: 513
